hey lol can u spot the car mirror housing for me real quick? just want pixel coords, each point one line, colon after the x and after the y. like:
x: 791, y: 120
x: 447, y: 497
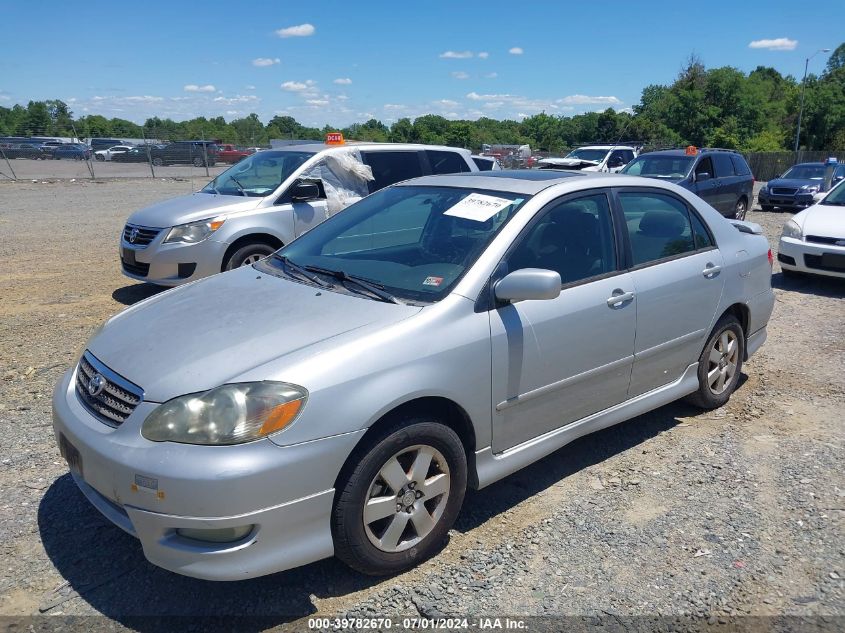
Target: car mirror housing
x: 702, y: 176
x: 528, y: 284
x: 304, y: 191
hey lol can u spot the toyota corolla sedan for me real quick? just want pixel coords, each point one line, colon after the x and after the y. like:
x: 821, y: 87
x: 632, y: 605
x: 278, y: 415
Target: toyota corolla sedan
x: 339, y: 396
x: 813, y: 241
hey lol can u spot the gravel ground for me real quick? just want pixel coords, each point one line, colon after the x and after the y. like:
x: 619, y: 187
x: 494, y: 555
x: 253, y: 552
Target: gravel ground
x: 675, y: 513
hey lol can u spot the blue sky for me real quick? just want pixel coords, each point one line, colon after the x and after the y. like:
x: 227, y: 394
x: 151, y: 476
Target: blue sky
x: 341, y: 62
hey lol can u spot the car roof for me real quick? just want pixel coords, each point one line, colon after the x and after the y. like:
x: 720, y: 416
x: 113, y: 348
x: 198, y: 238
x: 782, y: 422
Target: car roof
x: 524, y: 181
x: 313, y: 148
x: 604, y: 147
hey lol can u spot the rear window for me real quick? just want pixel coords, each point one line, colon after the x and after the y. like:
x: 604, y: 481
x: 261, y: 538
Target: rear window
x: 443, y: 162
x: 723, y: 164
x: 392, y: 167
x: 741, y: 168
x: 483, y: 164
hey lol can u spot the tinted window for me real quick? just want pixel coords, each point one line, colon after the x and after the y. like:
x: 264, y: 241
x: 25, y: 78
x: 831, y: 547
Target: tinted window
x: 724, y: 166
x: 704, y: 166
x: 392, y: 167
x: 574, y: 238
x: 741, y: 168
x: 483, y: 164
x: 446, y: 162
x: 666, y: 166
x: 702, y: 236
x: 620, y: 157
x: 658, y: 226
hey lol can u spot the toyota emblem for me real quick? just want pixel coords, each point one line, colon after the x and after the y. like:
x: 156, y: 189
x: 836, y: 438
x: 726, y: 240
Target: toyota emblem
x: 96, y: 384
x: 133, y: 235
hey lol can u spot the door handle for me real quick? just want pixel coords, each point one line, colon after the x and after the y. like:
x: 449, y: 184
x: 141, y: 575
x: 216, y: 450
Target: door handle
x: 711, y: 270
x: 618, y: 298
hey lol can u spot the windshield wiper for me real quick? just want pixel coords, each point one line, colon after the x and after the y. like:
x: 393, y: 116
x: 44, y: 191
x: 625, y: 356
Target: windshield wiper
x: 238, y: 185
x: 301, y: 271
x: 213, y: 188
x: 373, y: 288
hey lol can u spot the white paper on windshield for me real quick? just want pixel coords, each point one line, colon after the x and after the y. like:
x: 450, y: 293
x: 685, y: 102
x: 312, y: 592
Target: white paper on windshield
x: 478, y: 207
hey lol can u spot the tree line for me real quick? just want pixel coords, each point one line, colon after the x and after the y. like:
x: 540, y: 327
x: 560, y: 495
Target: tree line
x: 717, y: 107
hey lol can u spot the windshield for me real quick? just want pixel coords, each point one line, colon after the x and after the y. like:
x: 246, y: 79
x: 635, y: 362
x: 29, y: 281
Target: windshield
x: 414, y: 242
x: 836, y: 197
x: 669, y: 167
x: 594, y: 155
x: 805, y: 172
x: 258, y: 175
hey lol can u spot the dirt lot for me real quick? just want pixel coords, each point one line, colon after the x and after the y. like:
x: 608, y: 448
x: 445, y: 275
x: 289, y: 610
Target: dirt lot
x: 677, y: 512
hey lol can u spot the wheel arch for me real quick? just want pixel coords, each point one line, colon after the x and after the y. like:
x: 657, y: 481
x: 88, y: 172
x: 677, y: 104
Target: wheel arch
x: 743, y: 315
x: 447, y: 411
x: 250, y: 238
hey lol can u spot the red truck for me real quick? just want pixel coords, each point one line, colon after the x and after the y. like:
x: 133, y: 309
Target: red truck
x: 228, y: 153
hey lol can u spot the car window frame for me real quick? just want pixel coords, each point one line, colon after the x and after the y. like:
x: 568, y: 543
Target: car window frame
x: 626, y: 238
x: 697, y: 164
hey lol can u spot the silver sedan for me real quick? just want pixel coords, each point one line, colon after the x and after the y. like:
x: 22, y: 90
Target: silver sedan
x: 338, y: 397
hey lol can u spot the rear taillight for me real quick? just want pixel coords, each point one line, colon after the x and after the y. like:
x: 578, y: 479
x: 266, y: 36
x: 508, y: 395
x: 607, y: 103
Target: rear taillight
x: 771, y: 259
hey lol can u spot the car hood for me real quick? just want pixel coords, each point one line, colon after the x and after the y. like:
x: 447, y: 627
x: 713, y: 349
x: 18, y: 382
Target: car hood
x: 201, y: 335
x: 822, y: 219
x: 190, y: 208
x: 793, y: 182
x: 570, y: 163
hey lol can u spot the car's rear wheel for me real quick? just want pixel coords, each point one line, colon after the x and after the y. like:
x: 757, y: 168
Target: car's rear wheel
x: 158, y: 162
x: 249, y: 254
x: 100, y: 157
x: 197, y: 161
x: 720, y: 364
x: 399, y: 496
x: 740, y: 209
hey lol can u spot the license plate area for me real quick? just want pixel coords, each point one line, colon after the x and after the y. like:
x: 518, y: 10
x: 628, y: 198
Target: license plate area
x: 833, y: 260
x: 71, y: 454
x: 128, y: 256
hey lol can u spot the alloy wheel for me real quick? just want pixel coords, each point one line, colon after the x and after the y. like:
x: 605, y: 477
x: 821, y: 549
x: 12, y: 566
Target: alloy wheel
x: 722, y: 362
x: 406, y: 498
x: 249, y: 260
x: 740, y: 210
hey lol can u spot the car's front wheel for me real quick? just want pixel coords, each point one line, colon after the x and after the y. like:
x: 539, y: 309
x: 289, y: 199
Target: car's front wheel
x: 248, y: 255
x: 720, y: 364
x: 158, y: 161
x: 397, y: 498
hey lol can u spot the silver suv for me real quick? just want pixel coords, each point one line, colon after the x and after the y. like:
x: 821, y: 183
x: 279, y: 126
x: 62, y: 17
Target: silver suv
x: 264, y: 202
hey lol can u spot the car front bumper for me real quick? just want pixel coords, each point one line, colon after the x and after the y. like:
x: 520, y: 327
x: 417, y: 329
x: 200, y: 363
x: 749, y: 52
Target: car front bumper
x: 810, y: 257
x: 152, y: 489
x: 172, y: 264
x: 798, y: 200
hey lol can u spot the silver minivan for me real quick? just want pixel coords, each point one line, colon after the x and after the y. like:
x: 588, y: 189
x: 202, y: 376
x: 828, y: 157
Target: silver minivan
x: 264, y: 202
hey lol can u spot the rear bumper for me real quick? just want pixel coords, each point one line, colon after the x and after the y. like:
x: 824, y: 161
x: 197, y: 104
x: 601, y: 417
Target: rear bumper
x: 807, y: 257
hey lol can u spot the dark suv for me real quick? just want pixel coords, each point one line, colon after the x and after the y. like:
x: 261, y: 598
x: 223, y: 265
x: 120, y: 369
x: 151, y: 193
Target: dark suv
x: 721, y: 177
x: 198, y: 153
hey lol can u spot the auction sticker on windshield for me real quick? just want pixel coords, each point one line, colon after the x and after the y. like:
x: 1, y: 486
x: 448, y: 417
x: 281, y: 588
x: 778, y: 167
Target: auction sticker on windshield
x: 478, y: 207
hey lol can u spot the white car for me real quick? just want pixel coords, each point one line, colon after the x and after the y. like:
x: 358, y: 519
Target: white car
x: 107, y: 154
x: 608, y: 158
x: 813, y: 241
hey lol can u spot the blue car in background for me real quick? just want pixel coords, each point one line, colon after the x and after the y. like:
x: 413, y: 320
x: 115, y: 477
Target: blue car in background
x: 796, y: 188
x: 720, y: 177
x: 72, y: 150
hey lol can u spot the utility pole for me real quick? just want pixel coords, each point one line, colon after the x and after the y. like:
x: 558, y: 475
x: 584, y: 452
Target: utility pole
x: 803, y: 84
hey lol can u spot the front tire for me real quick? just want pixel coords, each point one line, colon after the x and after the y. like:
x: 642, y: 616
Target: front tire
x: 248, y: 255
x: 720, y: 364
x: 398, y: 498
x: 158, y: 162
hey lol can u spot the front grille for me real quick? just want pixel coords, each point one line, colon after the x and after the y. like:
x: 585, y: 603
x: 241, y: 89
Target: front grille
x: 139, y: 269
x: 115, y: 401
x: 143, y: 236
x: 784, y: 191
x: 820, y: 239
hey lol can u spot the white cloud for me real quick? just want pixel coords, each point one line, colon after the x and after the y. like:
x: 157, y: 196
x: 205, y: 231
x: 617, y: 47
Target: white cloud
x: 343, y: 81
x: 196, y: 88
x: 395, y: 106
x: 249, y: 87
x: 516, y: 50
x: 298, y: 86
x: 474, y: 96
x: 459, y: 74
x: 483, y: 55
x: 448, y: 103
x: 317, y: 102
x: 587, y: 100
x: 5, y: 98
x: 491, y: 75
x: 777, y: 44
x: 301, y: 30
x: 456, y: 55
x: 237, y: 99
x: 261, y: 62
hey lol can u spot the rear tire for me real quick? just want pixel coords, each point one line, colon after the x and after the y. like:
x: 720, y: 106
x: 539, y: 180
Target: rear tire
x: 398, y: 497
x: 720, y: 364
x: 197, y: 161
x: 158, y: 162
x: 248, y: 255
x: 740, y: 209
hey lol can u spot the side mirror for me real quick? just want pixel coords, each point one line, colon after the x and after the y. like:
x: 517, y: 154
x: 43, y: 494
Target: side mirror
x: 303, y: 191
x: 702, y: 177
x: 528, y: 284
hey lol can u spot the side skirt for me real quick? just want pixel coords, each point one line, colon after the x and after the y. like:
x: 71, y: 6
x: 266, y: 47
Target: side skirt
x: 494, y: 466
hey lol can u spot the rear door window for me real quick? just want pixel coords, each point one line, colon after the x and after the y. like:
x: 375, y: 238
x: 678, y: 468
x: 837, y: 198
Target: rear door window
x: 392, y: 167
x: 443, y: 162
x: 741, y: 168
x: 658, y: 226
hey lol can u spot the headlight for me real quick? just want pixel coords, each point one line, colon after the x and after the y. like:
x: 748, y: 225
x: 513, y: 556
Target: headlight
x: 193, y: 232
x: 230, y: 414
x: 810, y: 188
x: 791, y: 229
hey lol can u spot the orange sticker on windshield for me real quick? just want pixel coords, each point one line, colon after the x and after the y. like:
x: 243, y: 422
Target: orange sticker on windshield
x: 433, y: 281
